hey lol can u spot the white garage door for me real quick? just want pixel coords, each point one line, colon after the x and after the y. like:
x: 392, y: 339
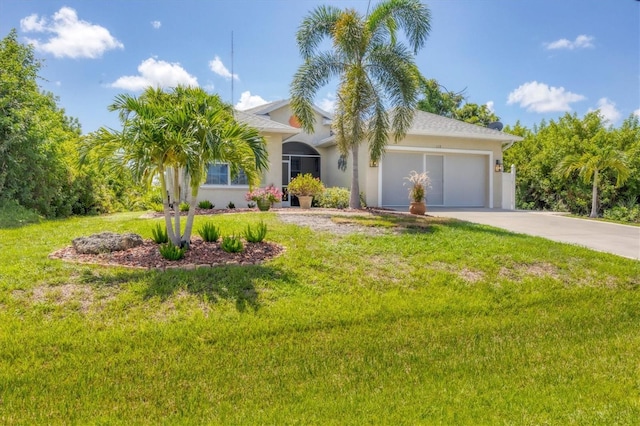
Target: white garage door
x: 456, y: 180
x: 465, y: 180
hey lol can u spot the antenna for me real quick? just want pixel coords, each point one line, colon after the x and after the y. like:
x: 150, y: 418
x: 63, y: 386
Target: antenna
x: 231, y: 68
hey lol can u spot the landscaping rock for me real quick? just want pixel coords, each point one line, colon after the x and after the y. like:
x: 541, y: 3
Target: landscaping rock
x: 106, y: 242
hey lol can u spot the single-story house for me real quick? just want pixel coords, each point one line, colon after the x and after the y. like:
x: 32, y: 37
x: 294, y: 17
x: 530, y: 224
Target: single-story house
x: 461, y: 159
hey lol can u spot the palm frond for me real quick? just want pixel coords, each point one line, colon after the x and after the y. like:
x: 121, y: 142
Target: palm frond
x: 319, y: 24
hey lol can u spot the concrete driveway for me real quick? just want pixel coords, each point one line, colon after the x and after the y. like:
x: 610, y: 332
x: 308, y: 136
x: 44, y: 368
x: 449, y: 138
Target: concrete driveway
x: 622, y: 240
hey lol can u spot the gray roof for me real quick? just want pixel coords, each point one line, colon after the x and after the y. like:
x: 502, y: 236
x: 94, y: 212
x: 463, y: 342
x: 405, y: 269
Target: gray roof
x: 428, y: 124
x: 264, y: 124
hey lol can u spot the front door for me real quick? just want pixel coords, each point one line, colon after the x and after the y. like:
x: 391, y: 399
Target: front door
x: 286, y: 178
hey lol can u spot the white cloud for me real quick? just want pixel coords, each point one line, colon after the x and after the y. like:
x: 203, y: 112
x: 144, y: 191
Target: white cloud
x: 608, y: 110
x: 218, y: 67
x: 581, y: 42
x: 156, y: 24
x: 70, y: 37
x: 328, y: 103
x: 490, y: 106
x: 637, y: 113
x: 539, y: 97
x: 33, y: 23
x: 247, y: 100
x: 158, y: 74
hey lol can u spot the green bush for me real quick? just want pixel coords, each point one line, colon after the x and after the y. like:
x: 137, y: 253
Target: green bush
x: 305, y: 185
x: 258, y: 235
x: 209, y: 232
x: 159, y: 234
x: 231, y: 205
x: 206, y: 204
x: 184, y: 207
x: 171, y: 252
x: 623, y: 213
x: 232, y: 244
x: 334, y: 198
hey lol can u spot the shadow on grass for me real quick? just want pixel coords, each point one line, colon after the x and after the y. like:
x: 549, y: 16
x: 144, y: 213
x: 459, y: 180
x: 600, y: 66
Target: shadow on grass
x: 233, y: 283
x: 402, y: 223
x: 13, y: 215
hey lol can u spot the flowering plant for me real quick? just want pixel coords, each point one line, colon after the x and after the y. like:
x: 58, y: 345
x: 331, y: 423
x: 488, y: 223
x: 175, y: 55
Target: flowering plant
x: 305, y: 185
x: 270, y: 194
x: 419, y: 183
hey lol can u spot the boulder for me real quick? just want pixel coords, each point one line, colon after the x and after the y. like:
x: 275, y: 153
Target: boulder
x: 105, y: 242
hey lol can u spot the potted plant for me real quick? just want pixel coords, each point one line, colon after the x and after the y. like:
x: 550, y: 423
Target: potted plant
x: 418, y: 185
x: 305, y: 187
x: 264, y: 197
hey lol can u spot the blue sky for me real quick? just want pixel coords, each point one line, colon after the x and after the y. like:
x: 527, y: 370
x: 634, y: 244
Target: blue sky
x: 528, y: 60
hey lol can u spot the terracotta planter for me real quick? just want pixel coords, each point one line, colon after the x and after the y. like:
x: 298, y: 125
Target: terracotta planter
x: 418, y: 208
x: 305, y: 201
x: 263, y: 205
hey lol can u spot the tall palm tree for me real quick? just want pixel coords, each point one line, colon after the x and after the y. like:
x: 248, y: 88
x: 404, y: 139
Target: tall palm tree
x: 374, y: 69
x: 165, y: 132
x: 591, y: 164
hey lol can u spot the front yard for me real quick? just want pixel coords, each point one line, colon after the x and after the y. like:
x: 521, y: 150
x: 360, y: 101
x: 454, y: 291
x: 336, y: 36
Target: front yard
x: 420, y: 322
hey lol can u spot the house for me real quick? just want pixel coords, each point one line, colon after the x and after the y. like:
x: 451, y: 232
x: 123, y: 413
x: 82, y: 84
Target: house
x: 461, y: 159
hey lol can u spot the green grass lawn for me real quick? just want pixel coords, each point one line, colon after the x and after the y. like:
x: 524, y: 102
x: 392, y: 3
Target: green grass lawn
x: 440, y: 323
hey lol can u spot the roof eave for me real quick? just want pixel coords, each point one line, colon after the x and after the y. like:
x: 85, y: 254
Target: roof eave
x: 505, y: 137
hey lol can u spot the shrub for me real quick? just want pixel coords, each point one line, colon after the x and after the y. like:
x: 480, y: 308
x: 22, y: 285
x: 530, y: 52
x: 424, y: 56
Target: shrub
x: 231, y: 205
x: 159, y: 234
x: 623, y: 213
x: 334, y: 198
x: 171, y: 252
x: 209, y: 232
x: 258, y: 235
x: 206, y: 204
x: 232, y: 244
x: 270, y: 194
x: 305, y: 185
x: 184, y: 207
x: 251, y: 205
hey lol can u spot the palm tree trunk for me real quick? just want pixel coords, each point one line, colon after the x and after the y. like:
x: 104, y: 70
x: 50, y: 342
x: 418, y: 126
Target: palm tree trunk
x: 354, y: 200
x: 594, y: 196
x: 177, y: 239
x: 165, y: 206
x: 192, y: 213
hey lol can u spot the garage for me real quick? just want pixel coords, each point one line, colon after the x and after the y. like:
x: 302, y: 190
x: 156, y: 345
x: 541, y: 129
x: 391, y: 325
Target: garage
x: 458, y: 179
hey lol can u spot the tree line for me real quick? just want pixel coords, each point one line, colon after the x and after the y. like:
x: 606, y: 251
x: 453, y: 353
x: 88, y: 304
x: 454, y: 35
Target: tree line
x: 579, y: 165
x: 40, y: 145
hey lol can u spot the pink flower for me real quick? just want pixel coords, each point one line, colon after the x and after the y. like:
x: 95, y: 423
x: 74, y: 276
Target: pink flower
x: 270, y: 193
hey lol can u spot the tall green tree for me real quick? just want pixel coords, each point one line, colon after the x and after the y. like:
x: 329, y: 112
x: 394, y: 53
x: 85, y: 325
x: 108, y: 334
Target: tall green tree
x: 375, y: 71
x: 164, y: 133
x: 438, y: 100
x: 597, y: 157
x: 36, y: 137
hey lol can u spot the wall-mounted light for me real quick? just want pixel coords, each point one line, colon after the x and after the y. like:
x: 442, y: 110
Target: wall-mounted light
x: 373, y: 163
x: 498, y: 167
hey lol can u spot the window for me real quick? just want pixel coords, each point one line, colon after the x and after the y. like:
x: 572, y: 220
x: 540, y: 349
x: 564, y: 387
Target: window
x: 220, y: 174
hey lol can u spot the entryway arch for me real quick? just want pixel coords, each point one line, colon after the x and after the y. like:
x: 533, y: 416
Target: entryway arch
x: 297, y: 158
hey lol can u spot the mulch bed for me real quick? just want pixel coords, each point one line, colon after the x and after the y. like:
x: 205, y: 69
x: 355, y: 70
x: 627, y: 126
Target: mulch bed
x: 201, y: 254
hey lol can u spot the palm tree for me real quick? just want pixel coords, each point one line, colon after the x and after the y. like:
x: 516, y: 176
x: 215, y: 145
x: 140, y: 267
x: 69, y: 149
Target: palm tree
x: 215, y: 136
x: 374, y: 69
x: 164, y: 132
x: 591, y: 164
